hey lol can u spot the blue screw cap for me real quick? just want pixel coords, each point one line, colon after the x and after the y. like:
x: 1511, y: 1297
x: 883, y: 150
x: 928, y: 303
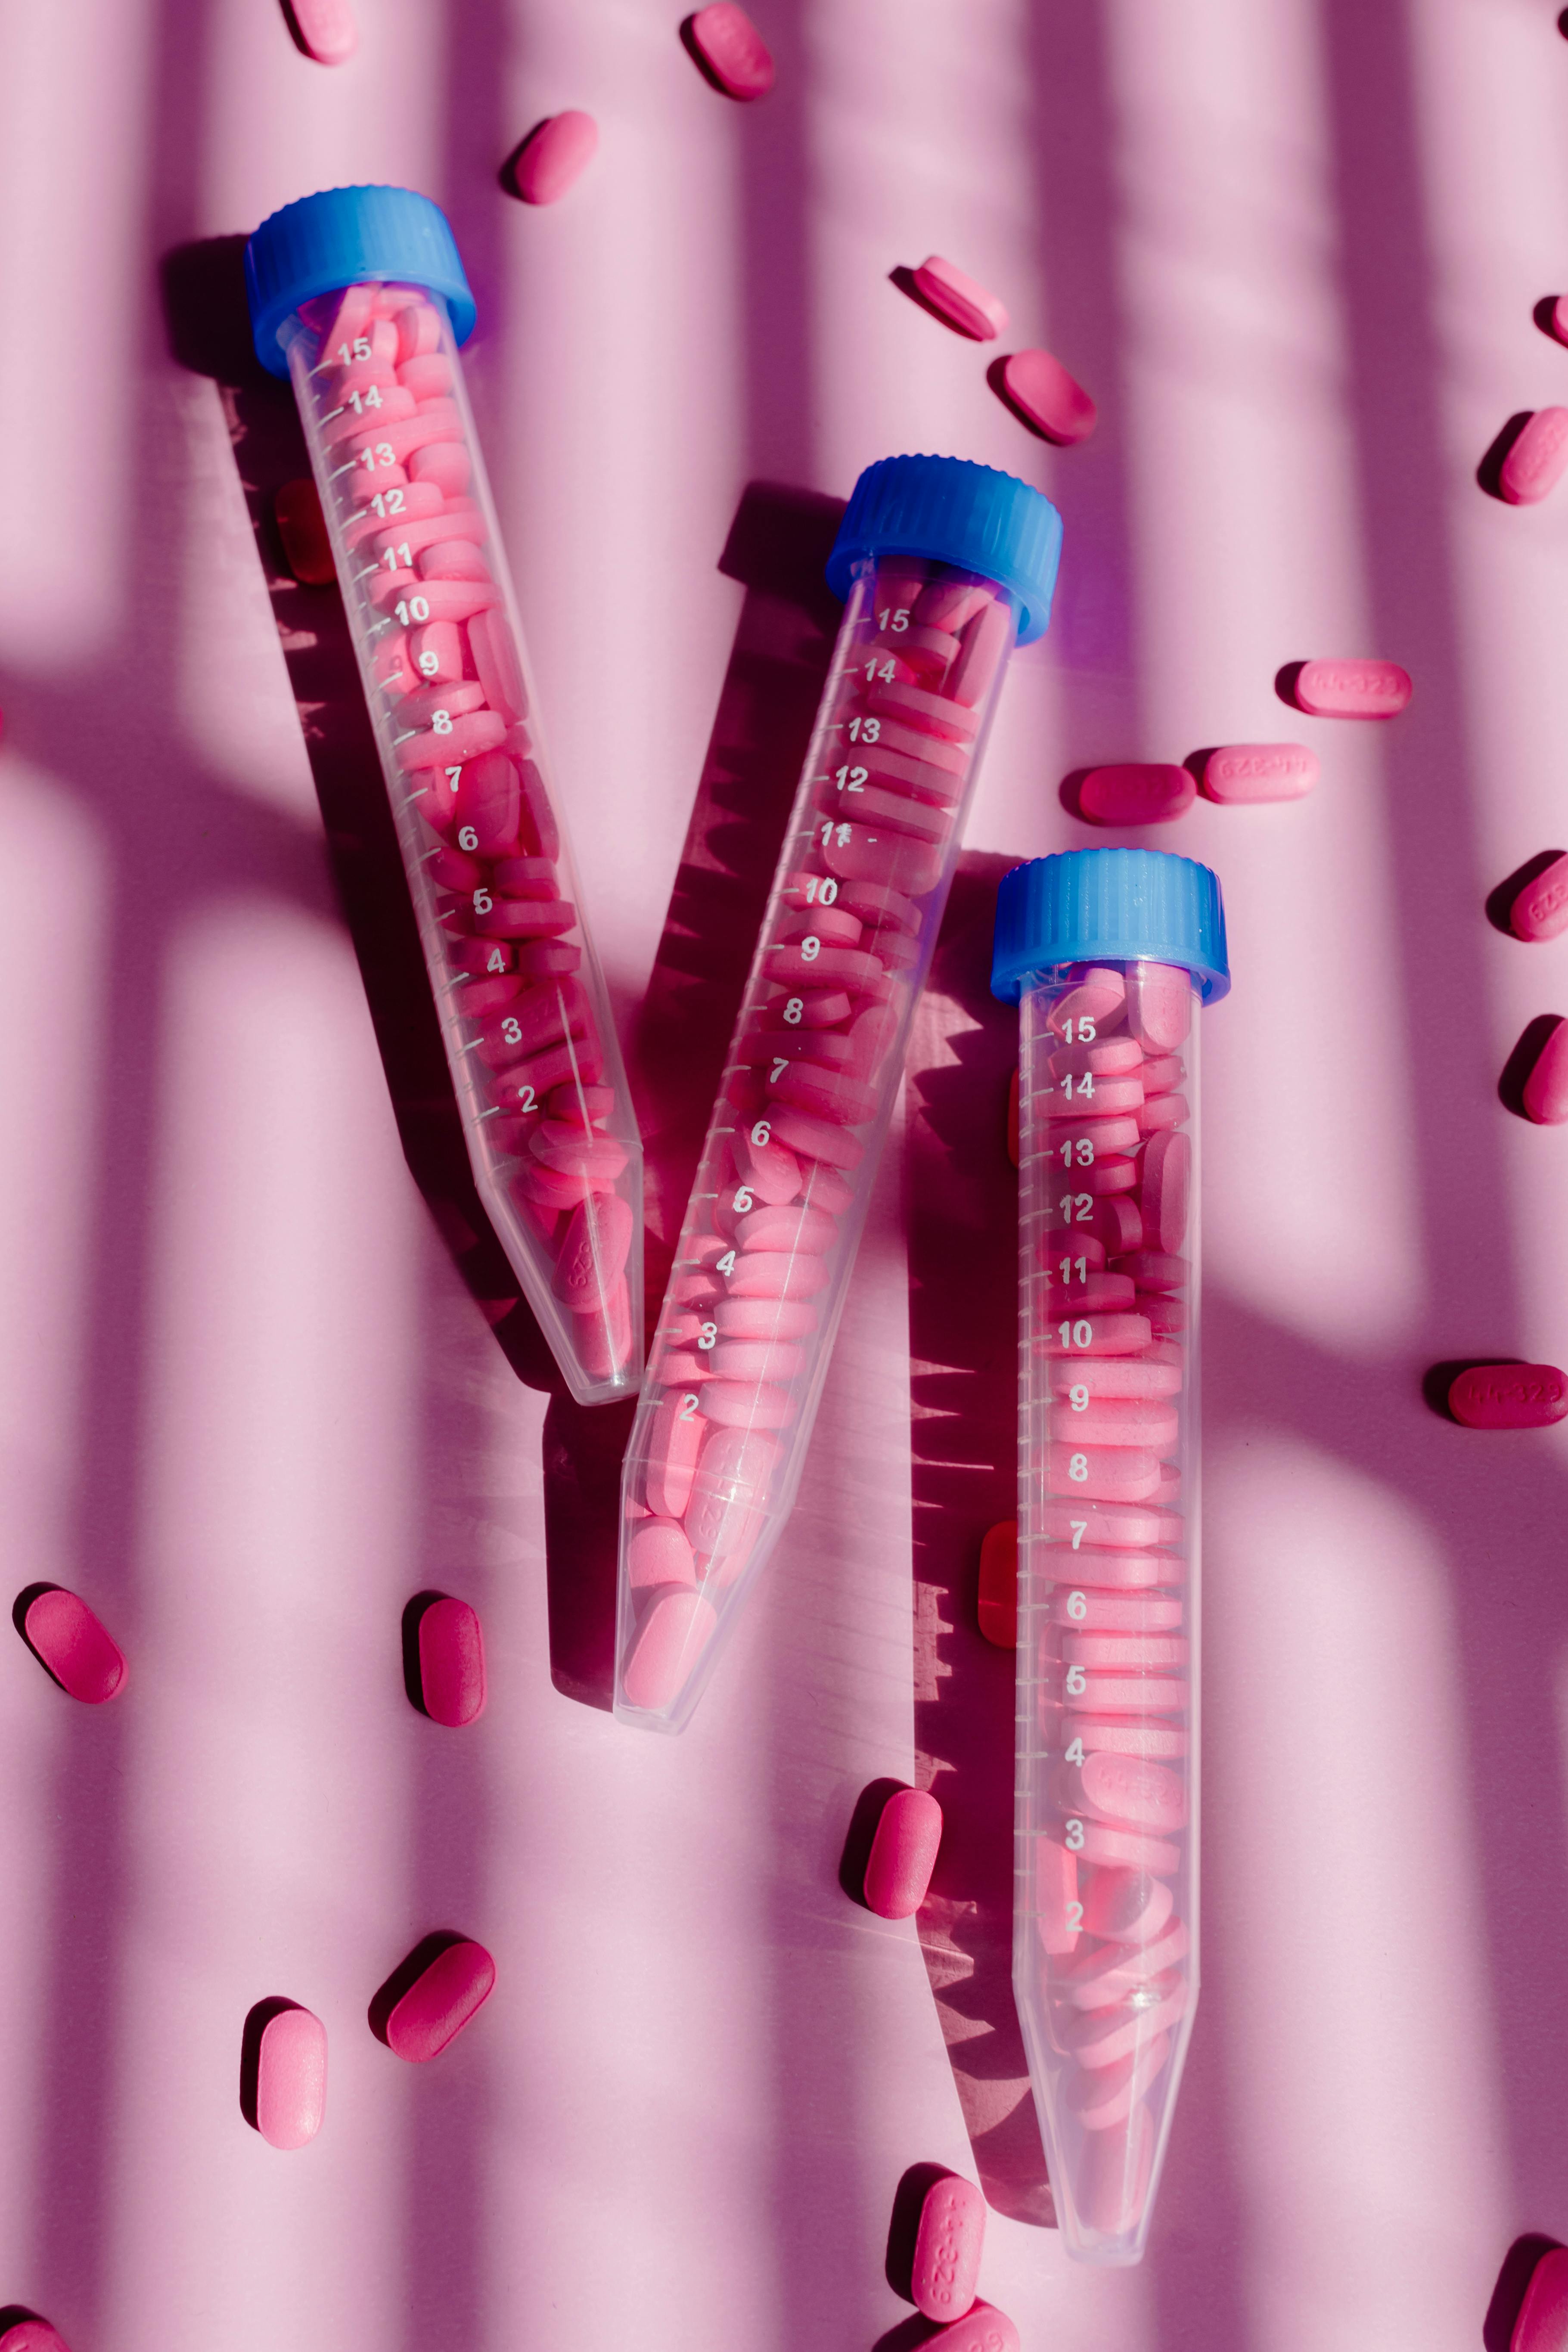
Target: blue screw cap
x: 951, y: 510
x: 1109, y: 906
x: 341, y: 237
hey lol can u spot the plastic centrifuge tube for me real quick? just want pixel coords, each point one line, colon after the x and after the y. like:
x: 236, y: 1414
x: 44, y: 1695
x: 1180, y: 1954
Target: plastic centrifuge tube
x: 941, y: 565
x: 1108, y: 953
x: 359, y: 297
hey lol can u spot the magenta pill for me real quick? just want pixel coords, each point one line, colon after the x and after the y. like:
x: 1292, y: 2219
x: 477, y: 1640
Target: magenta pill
x: 1545, y: 1089
x: 79, y: 1653
x: 949, y: 2241
x: 441, y: 2002
x: 554, y: 156
x: 982, y: 2328
x: 962, y: 300
x: 290, y: 2080
x: 451, y: 1663
x: 1136, y: 793
x: 33, y: 2335
x: 1534, y: 464
x: 732, y: 49
x: 1049, y: 399
x: 1541, y: 909
x: 1259, y: 772
x: 903, y: 1854
x: 1542, y: 2322
x: 1509, y: 1396
x: 1353, y: 688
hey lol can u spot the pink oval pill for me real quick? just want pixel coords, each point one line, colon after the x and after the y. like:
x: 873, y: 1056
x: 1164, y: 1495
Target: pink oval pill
x: 1100, y: 997
x: 675, y: 1441
x: 1509, y: 1396
x: 33, y: 2335
x: 948, y: 2242
x: 1542, y: 2322
x: 1046, y: 397
x: 326, y: 29
x: 659, y: 1554
x: 451, y: 1663
x: 982, y: 2328
x: 963, y: 301
x: 1541, y: 909
x: 441, y: 2002
x: 554, y: 156
x: 1126, y: 1788
x: 998, y: 1603
x: 1113, y: 1421
x: 1167, y: 1182
x: 1536, y: 462
x: 1259, y: 772
x: 778, y: 1273
x: 1130, y: 1907
x: 1136, y: 793
x: 78, y: 1652
x: 1353, y: 688
x: 671, y: 1638
x: 903, y: 1854
x: 732, y: 49
x: 1545, y: 1091
x: 1098, y: 1335
x: 291, y: 2079
x: 816, y: 1138
x: 1104, y: 1473
x: 593, y: 1254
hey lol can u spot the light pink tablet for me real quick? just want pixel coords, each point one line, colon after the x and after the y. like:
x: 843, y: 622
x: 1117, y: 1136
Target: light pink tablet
x: 1541, y: 909
x: 903, y: 1854
x: 1259, y: 772
x: 1353, y: 688
x: 949, y: 2242
x: 1534, y: 464
x: 734, y: 50
x: 327, y: 31
x: 554, y: 156
x: 291, y: 2079
x: 962, y: 300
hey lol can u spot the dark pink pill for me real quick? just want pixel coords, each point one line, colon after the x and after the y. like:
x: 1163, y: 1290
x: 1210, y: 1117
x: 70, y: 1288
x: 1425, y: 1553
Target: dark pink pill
x: 1353, y: 688
x: 1041, y: 389
x: 439, y: 2003
x: 903, y: 1854
x: 77, y: 1650
x: 1509, y: 1396
x: 1541, y: 909
x: 1546, y: 1088
x: 1137, y: 792
x: 984, y: 2329
x: 1534, y: 464
x: 948, y: 2246
x: 451, y: 1663
x: 554, y: 156
x: 1542, y: 2322
x: 33, y: 2335
x: 960, y: 300
x: 291, y: 2079
x: 732, y: 49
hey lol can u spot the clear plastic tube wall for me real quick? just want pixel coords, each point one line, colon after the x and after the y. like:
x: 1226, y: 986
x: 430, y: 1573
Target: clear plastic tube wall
x: 741, y: 1350
x: 551, y: 1131
x: 1106, y: 1922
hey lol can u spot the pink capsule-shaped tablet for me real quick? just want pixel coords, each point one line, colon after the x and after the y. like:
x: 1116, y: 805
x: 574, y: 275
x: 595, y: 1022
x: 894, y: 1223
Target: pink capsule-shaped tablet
x: 1509, y: 1396
x: 948, y: 2242
x: 1541, y: 909
x: 1166, y: 1187
x: 997, y: 1600
x: 669, y: 1643
x: 815, y: 1139
x: 1104, y: 1473
x: 1545, y: 1090
x: 732, y: 49
x: 1353, y: 688
x: 441, y: 2002
x: 593, y: 1254
x: 1536, y: 460
x: 903, y: 1854
x: 982, y: 2328
x: 1128, y: 1789
x: 1542, y: 2322
x: 1136, y: 793
x: 1259, y: 772
x: 1040, y: 389
x: 291, y: 2079
x: 33, y: 2335
x: 1100, y: 997
x: 554, y: 156
x: 451, y: 1663
x: 78, y: 1652
x: 959, y: 299
x: 659, y: 1554
x: 326, y: 29
x: 674, y: 1444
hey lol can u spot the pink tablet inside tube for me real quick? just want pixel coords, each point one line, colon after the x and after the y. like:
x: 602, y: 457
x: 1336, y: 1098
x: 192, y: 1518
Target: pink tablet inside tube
x: 941, y: 565
x: 1109, y: 954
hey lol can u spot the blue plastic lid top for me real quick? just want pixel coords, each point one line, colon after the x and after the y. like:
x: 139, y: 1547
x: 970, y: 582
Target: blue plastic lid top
x: 1109, y: 906
x: 340, y: 239
x: 951, y: 510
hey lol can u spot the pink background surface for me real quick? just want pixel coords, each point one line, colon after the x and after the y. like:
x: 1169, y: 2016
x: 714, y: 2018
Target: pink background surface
x: 260, y: 1380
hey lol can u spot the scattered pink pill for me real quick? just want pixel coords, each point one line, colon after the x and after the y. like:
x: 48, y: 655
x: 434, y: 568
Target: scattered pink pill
x: 960, y: 300
x: 83, y: 1657
x: 1546, y: 1088
x: 1541, y: 909
x: 732, y: 49
x: 451, y: 1663
x: 982, y: 2329
x: 677, y: 1629
x: 1542, y: 2322
x: 290, y: 2080
x: 33, y: 2335
x: 903, y: 1854
x: 1046, y: 396
x: 948, y: 2242
x: 1353, y: 688
x: 441, y: 2002
x: 1259, y: 772
x: 1534, y: 464
x: 1137, y: 792
x: 327, y: 31
x: 554, y: 156
x: 997, y: 1605
x: 1509, y: 1396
